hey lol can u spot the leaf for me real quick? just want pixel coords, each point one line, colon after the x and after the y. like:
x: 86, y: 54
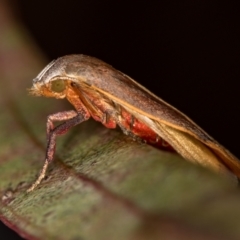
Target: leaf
x: 102, y: 184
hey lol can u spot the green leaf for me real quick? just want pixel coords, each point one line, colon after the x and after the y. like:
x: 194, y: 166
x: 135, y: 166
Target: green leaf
x: 103, y: 185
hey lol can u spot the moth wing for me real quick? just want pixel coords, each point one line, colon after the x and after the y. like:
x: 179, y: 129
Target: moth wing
x: 209, y: 154
x: 180, y: 131
x: 173, y: 119
x: 185, y: 136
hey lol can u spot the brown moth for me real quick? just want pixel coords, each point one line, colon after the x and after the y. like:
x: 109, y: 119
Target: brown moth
x: 97, y: 90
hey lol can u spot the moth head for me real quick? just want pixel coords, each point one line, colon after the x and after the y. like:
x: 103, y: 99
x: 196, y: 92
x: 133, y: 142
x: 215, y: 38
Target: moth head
x: 55, y: 88
x: 54, y: 79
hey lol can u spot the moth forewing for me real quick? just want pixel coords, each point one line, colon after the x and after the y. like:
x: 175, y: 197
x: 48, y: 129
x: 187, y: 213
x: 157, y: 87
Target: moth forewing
x: 226, y: 157
x: 186, y: 145
x: 185, y: 136
x: 192, y: 149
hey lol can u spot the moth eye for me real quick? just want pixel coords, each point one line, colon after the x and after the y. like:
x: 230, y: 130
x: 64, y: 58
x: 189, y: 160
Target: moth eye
x: 58, y: 86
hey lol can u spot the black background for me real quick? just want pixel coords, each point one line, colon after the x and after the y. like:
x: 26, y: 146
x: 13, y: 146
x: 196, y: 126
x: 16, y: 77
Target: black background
x: 186, y: 52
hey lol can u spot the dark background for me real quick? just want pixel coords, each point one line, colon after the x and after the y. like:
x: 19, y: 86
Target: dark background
x: 186, y: 52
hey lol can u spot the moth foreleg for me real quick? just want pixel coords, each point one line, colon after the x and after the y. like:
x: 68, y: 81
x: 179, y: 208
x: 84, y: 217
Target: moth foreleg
x: 72, y: 119
x: 59, y: 116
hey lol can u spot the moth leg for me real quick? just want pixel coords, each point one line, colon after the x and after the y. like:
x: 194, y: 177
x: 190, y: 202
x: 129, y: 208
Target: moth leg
x: 134, y: 136
x: 72, y: 119
x: 131, y: 124
x: 127, y: 129
x: 59, y: 116
x: 108, y: 121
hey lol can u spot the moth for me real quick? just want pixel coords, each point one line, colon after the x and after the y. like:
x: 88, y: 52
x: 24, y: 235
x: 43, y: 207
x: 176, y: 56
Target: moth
x: 97, y: 90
